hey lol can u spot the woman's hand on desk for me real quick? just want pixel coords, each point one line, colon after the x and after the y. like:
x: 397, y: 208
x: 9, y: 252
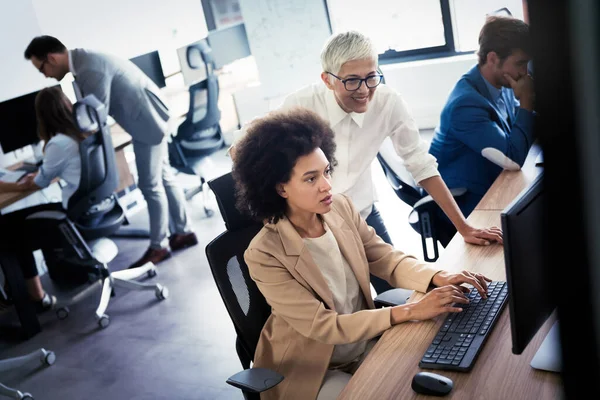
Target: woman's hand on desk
x: 24, y: 184
x: 482, y: 237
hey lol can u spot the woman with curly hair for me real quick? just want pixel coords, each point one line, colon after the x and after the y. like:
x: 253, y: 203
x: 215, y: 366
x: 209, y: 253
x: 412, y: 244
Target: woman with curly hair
x: 312, y: 260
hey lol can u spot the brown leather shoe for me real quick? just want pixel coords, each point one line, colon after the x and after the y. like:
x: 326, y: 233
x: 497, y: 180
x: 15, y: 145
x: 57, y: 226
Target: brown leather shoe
x: 182, y: 240
x: 153, y: 255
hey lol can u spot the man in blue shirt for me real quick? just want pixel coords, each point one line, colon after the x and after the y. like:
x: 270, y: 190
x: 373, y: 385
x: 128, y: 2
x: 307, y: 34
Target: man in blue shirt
x: 487, y: 123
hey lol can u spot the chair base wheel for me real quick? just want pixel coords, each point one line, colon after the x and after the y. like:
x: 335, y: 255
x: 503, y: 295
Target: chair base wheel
x: 209, y: 212
x: 152, y: 273
x: 26, y: 396
x: 50, y: 358
x: 62, y: 313
x: 103, y: 321
x: 162, y: 293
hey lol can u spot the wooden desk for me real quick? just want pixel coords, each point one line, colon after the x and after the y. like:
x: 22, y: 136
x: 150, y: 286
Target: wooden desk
x: 497, y: 374
x: 388, y: 370
x: 510, y: 183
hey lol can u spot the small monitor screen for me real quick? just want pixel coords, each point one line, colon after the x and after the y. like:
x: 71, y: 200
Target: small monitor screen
x: 19, y: 123
x: 151, y: 66
x: 229, y: 44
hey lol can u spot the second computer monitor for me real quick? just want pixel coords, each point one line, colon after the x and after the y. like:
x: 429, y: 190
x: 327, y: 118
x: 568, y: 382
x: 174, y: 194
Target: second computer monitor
x: 150, y: 64
x: 229, y: 44
x: 19, y: 122
x: 527, y: 272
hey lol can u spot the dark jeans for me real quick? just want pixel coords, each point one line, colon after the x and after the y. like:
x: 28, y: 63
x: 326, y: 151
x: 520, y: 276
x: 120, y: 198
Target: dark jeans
x: 375, y: 221
x: 22, y: 237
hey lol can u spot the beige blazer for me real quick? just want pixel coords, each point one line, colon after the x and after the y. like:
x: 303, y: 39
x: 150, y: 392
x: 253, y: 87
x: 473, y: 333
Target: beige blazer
x: 298, y: 338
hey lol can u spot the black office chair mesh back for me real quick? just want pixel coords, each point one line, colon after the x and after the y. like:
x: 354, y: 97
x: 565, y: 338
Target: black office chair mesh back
x: 401, y: 181
x: 245, y: 304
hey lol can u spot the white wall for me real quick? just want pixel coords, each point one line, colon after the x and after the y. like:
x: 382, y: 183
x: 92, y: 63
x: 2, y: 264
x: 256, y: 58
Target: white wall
x: 123, y: 27
x: 425, y: 85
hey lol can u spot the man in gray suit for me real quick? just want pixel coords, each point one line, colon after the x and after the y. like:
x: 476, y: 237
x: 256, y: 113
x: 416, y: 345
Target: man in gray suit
x: 135, y: 102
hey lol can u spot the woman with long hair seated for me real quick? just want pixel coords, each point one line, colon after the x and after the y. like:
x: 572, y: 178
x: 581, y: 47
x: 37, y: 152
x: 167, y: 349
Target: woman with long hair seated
x: 312, y: 260
x: 22, y: 236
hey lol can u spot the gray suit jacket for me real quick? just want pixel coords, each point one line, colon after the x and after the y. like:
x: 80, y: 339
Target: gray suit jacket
x: 132, y: 99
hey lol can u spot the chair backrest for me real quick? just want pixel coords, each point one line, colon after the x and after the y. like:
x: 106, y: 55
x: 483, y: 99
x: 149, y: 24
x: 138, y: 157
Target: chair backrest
x: 397, y: 175
x: 93, y: 207
x: 203, y: 111
x: 224, y: 189
x: 245, y: 303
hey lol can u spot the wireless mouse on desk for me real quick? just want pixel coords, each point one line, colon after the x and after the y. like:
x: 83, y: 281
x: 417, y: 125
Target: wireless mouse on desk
x: 431, y: 384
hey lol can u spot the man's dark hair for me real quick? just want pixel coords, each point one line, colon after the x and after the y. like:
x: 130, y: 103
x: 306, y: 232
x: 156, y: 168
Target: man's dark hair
x: 503, y: 35
x: 41, y: 46
x: 267, y: 154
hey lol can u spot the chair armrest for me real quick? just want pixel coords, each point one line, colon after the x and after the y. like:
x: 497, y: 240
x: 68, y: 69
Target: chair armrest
x: 50, y: 214
x: 255, y: 380
x: 427, y: 200
x: 392, y: 297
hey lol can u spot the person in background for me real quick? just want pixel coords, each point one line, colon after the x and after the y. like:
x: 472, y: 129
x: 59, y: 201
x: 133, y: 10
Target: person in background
x: 487, y: 123
x: 21, y: 236
x: 312, y: 259
x: 363, y: 112
x: 135, y: 102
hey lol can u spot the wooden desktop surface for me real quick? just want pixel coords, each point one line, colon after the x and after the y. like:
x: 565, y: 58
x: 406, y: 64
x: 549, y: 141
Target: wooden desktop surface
x: 388, y: 370
x: 510, y: 183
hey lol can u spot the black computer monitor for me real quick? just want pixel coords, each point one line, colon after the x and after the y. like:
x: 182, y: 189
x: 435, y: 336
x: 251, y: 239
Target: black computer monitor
x: 229, y: 44
x: 531, y: 299
x: 150, y: 65
x: 19, y: 123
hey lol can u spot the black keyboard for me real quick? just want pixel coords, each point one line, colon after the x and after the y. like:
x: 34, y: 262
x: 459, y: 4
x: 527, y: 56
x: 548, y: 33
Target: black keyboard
x: 462, y: 335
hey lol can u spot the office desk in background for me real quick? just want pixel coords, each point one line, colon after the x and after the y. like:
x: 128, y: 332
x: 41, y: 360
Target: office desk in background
x: 388, y: 370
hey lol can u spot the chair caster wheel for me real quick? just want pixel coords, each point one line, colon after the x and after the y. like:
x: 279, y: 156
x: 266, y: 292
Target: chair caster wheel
x: 50, y: 358
x: 26, y: 396
x: 62, y: 313
x: 104, y: 321
x: 209, y: 212
x: 151, y: 273
x: 162, y: 292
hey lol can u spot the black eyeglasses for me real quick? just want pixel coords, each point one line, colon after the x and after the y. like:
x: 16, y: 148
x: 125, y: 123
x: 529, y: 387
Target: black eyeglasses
x: 353, y: 84
x: 41, y: 68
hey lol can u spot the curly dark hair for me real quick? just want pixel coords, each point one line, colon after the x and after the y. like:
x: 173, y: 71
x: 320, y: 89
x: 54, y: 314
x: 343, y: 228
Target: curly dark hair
x: 268, y: 153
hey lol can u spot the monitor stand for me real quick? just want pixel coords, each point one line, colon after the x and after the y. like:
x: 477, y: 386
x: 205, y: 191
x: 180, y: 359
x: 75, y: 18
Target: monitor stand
x: 548, y: 357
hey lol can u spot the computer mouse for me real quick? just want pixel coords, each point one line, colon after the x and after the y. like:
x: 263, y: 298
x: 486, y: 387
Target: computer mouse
x: 431, y: 384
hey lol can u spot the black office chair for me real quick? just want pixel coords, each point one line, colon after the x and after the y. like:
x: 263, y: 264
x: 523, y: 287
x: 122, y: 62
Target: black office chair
x: 43, y: 356
x: 245, y: 303
x: 93, y: 213
x: 423, y: 216
x: 199, y: 135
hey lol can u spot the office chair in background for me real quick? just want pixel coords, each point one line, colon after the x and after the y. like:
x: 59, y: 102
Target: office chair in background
x: 422, y: 218
x: 244, y: 302
x: 199, y: 135
x: 45, y: 357
x: 93, y: 213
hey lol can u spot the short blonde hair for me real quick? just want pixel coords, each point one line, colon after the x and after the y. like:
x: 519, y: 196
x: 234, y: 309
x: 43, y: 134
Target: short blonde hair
x: 346, y: 46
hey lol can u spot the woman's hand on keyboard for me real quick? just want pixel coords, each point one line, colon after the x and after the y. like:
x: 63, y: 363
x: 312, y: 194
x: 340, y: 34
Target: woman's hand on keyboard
x: 478, y: 281
x: 438, y: 301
